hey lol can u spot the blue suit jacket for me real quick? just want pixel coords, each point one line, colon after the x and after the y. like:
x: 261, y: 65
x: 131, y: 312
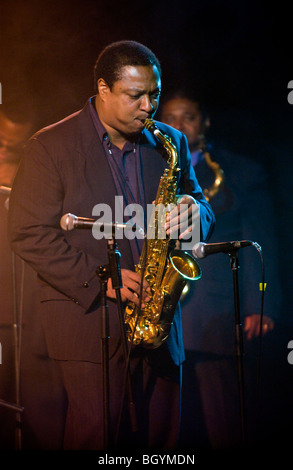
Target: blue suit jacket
x: 64, y: 169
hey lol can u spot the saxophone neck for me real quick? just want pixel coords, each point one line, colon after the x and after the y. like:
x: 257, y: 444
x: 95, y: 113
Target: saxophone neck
x: 219, y: 175
x: 166, y: 141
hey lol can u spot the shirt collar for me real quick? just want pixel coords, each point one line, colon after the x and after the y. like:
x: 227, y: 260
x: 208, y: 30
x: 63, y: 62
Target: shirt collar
x: 196, y: 157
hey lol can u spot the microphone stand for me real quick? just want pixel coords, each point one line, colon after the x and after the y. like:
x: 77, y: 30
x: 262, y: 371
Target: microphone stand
x: 234, y: 264
x: 103, y: 275
x: 114, y: 272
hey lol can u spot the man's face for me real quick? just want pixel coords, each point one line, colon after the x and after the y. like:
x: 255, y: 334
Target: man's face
x: 12, y: 138
x: 185, y: 116
x: 132, y: 99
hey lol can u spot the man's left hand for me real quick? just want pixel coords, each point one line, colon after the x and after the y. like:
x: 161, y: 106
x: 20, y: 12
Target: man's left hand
x: 183, y: 218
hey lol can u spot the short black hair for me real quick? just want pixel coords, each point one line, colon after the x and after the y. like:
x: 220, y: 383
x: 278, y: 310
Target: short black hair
x: 119, y: 54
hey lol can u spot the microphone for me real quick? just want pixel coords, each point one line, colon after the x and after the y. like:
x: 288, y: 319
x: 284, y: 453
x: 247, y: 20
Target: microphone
x: 201, y: 250
x: 71, y: 222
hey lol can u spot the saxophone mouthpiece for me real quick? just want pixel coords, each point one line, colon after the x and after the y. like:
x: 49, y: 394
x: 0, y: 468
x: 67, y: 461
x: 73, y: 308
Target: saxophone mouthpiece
x: 150, y: 125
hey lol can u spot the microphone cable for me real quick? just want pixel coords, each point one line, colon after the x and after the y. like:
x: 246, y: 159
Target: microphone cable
x: 262, y: 287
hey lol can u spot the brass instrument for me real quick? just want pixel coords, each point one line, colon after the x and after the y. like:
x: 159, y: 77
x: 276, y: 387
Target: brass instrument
x: 217, y: 170
x: 165, y: 268
x: 209, y: 192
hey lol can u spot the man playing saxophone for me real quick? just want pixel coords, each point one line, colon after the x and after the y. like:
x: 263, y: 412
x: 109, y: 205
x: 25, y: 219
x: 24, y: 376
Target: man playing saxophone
x: 94, y: 156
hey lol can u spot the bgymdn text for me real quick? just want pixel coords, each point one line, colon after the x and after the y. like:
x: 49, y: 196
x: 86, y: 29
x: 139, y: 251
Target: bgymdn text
x: 145, y: 459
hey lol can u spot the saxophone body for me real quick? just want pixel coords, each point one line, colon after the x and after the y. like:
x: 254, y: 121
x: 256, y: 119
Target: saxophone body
x: 166, y: 269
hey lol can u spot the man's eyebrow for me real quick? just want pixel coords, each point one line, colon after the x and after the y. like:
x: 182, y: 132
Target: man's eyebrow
x: 139, y: 90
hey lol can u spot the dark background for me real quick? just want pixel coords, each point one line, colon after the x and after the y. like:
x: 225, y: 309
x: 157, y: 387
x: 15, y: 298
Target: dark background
x: 238, y: 53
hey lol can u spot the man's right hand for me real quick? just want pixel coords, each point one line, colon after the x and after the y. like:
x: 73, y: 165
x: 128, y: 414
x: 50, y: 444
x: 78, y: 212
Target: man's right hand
x: 130, y: 290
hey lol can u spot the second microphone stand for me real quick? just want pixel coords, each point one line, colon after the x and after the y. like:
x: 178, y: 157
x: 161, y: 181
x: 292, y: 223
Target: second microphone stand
x: 234, y: 264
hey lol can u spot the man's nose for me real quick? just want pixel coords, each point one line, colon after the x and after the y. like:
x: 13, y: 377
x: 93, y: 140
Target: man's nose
x: 178, y: 125
x: 147, y: 104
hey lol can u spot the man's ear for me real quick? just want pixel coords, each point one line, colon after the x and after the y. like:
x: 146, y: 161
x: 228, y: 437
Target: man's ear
x: 103, y: 88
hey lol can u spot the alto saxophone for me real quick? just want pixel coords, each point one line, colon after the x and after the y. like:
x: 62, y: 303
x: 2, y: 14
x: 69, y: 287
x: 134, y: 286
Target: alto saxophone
x: 165, y: 268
